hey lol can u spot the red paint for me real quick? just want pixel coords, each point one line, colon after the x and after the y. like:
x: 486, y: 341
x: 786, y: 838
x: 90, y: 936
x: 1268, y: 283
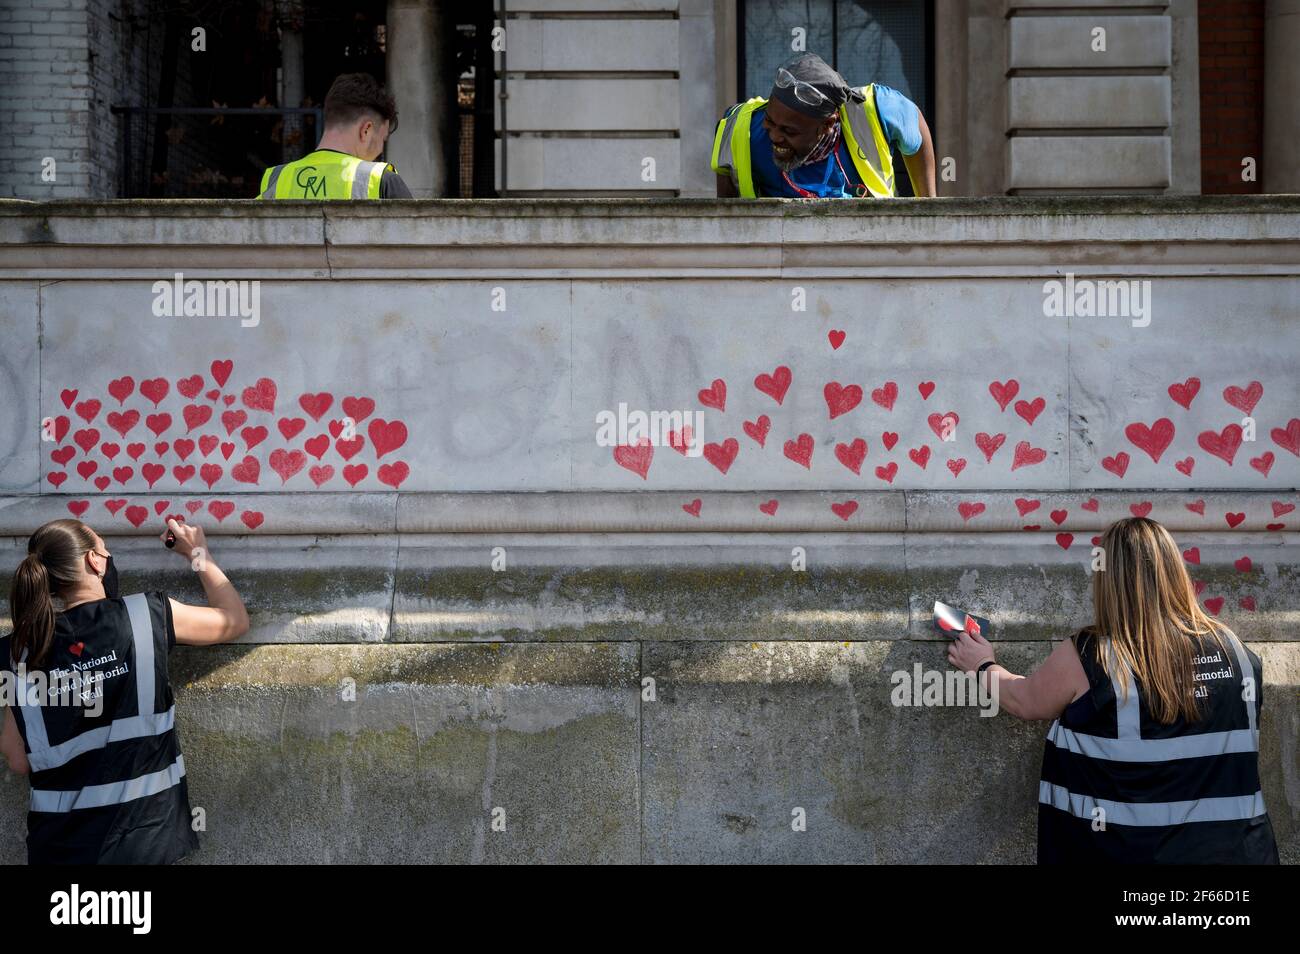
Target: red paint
x: 800, y: 450
x: 845, y: 510
x: 715, y: 395
x: 1223, y: 445
x: 1030, y: 410
x: 1004, y: 392
x: 885, y: 395
x: 386, y: 435
x: 776, y: 384
x: 989, y: 444
x: 723, y: 455
x: 840, y: 399
x: 1155, y: 440
x: 852, y: 455
x: 757, y: 430
x: 1026, y: 455
x: 316, y: 405
x: 1244, y: 399
x: 1184, y: 393
x: 636, y: 459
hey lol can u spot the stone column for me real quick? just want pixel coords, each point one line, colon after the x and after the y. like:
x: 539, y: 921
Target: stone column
x: 415, y: 70
x: 293, y: 79
x: 1280, y: 168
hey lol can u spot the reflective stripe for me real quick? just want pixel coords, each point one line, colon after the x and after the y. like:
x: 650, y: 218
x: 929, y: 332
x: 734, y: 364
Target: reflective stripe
x: 1247, y: 672
x: 1153, y: 814
x: 1129, y: 746
x: 361, y: 179
x: 110, y: 793
x: 860, y: 125
x: 1203, y: 745
x: 269, y: 192
x: 137, y: 608
x: 1128, y: 708
x: 722, y: 158
x: 144, y: 724
x: 119, y: 730
x: 33, y: 720
x: 731, y: 147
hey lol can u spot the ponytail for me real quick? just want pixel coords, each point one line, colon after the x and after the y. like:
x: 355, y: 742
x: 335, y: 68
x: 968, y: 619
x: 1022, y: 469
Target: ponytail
x: 53, y: 563
x: 31, y: 606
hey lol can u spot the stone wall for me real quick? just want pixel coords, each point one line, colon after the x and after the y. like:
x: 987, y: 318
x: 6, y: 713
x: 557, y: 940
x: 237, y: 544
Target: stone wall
x: 499, y: 584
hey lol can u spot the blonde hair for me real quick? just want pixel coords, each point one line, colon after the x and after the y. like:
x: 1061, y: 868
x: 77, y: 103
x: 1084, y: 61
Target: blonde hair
x: 1146, y: 608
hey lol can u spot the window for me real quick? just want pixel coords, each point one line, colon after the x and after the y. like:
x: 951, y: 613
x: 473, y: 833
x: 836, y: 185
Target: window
x: 868, y: 41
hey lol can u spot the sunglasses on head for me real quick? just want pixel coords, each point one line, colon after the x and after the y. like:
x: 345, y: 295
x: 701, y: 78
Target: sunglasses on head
x: 804, y: 92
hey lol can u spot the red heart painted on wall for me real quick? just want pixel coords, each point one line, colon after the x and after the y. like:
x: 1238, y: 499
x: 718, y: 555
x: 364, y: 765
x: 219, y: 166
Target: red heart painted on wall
x: 715, y: 395
x: 852, y: 455
x: 845, y: 510
x: 316, y: 405
x: 1244, y: 399
x: 1223, y: 445
x: 722, y: 455
x: 840, y: 399
x: 1185, y: 392
x: 885, y: 395
x: 634, y: 458
x: 989, y: 444
x: 261, y: 396
x: 1003, y: 393
x: 776, y: 384
x: 800, y: 450
x: 757, y: 430
x: 1155, y: 440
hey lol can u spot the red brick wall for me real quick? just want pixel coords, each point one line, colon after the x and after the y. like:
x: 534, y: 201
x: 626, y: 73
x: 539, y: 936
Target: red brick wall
x: 1232, y: 92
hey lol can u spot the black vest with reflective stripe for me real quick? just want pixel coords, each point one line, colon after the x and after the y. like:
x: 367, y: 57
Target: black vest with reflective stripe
x: 1117, y: 786
x: 106, y: 788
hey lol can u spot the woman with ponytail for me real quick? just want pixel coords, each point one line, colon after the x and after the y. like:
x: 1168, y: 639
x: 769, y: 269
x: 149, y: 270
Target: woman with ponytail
x: 91, y: 720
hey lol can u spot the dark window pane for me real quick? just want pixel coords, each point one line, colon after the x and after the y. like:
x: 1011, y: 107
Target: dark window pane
x: 868, y: 41
x: 883, y: 41
x: 768, y: 37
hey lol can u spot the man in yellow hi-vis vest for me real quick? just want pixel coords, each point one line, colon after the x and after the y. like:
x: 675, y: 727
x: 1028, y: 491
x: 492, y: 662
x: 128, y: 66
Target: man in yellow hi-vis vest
x: 818, y: 137
x: 359, y: 116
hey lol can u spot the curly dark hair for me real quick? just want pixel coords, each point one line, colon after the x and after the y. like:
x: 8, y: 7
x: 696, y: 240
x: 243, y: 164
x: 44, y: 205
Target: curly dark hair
x: 352, y: 95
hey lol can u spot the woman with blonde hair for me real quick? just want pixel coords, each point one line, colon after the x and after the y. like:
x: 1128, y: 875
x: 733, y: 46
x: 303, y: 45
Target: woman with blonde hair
x: 91, y: 718
x: 1153, y: 754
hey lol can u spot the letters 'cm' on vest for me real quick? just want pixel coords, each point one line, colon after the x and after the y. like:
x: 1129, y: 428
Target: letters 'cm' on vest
x: 324, y: 175
x: 863, y: 135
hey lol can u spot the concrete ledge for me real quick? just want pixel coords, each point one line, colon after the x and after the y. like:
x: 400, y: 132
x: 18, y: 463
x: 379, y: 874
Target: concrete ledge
x: 917, y: 511
x: 519, y: 238
x: 496, y: 587
x: 707, y: 766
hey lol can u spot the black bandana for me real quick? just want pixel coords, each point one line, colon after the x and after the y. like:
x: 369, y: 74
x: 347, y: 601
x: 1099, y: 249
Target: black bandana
x: 813, y: 70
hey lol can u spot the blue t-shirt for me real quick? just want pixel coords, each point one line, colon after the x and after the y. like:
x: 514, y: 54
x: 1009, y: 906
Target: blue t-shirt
x: 835, y: 176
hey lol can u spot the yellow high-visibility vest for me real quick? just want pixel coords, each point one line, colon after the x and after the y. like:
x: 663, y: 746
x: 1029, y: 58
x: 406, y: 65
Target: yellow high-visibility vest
x: 324, y: 174
x: 864, y: 135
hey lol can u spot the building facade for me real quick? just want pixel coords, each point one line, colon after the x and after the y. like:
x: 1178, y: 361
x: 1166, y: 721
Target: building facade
x: 621, y: 97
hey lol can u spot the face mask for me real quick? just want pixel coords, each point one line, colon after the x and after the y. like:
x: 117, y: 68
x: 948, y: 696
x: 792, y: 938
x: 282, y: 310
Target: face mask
x: 110, y: 579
